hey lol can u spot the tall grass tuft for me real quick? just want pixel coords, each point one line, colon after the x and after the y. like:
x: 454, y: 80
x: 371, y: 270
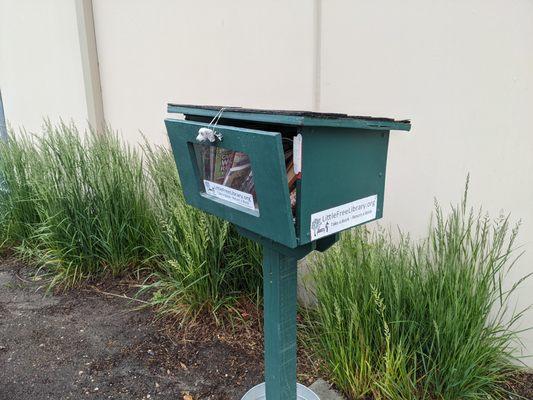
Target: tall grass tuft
x: 204, y: 265
x: 399, y: 320
x: 87, y: 205
x: 77, y: 204
x: 20, y: 170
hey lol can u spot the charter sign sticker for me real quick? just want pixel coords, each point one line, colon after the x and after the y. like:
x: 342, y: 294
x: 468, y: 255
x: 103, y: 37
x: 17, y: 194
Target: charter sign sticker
x: 229, y: 194
x: 336, y: 219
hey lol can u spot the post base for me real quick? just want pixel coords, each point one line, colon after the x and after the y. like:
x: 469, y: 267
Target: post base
x: 258, y: 393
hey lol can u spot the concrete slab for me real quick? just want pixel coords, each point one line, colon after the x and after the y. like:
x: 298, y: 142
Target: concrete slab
x: 324, y: 391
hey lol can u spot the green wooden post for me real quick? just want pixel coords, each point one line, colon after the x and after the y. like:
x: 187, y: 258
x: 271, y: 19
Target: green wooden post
x: 279, y: 287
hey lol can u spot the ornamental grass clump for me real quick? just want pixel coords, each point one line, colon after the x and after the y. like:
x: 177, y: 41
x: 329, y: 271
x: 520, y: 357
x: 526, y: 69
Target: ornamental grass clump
x: 85, y: 206
x: 20, y: 170
x: 399, y: 320
x: 76, y: 204
x: 203, y: 265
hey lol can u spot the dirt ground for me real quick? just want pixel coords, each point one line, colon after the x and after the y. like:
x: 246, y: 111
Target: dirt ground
x: 522, y: 386
x: 87, y: 345
x: 92, y: 343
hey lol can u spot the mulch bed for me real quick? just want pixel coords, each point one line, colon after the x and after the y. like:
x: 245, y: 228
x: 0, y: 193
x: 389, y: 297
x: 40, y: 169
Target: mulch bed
x: 521, y: 385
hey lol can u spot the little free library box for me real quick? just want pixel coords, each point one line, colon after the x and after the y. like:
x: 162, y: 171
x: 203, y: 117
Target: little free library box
x: 290, y: 180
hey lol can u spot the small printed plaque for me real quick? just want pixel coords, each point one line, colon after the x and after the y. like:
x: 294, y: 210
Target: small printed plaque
x: 226, y: 193
x: 336, y: 219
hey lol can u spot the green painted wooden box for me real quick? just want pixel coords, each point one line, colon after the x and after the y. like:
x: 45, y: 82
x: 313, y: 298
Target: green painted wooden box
x: 247, y: 175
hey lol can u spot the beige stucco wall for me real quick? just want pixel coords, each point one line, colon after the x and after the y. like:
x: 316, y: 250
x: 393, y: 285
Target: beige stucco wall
x: 241, y: 52
x: 462, y: 71
x: 40, y: 66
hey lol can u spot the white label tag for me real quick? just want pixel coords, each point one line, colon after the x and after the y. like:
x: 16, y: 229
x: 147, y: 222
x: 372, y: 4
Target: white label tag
x: 297, y: 153
x: 336, y: 219
x: 229, y: 194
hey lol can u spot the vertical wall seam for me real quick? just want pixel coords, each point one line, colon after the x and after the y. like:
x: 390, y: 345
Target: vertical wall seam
x: 317, y: 50
x: 90, y: 66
